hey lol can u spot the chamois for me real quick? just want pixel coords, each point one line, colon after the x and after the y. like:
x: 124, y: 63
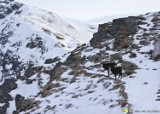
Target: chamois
x: 107, y: 66
x: 116, y: 71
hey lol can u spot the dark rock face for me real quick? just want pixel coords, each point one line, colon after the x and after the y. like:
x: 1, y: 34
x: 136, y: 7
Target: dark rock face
x: 7, y: 8
x: 9, y: 58
x: 37, y: 42
x: 8, y: 85
x: 49, y: 61
x: 5, y: 97
x: 156, y: 19
x: 56, y: 72
x: 124, y: 26
x: 121, y: 29
x: 29, y: 71
x: 101, y: 36
x: 73, y: 61
x: 23, y: 104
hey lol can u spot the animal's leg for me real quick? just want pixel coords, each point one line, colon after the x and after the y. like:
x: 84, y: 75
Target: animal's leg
x: 120, y: 75
x: 115, y: 76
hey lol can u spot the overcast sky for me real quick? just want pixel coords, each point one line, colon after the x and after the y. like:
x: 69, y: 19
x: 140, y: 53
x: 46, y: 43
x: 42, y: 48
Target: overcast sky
x: 89, y: 9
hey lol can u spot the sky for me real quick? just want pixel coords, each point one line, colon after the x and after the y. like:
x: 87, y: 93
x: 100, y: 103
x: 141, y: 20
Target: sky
x: 89, y: 9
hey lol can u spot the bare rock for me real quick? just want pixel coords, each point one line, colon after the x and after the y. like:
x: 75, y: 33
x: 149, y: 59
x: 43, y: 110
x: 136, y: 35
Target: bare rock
x: 129, y: 67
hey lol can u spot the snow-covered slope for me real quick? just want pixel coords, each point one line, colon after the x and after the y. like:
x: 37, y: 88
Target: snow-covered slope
x: 80, y: 84
x: 26, y: 27
x: 31, y: 37
x: 66, y: 29
x: 42, y: 74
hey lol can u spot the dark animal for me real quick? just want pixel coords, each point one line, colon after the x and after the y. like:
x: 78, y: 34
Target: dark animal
x: 107, y: 66
x: 116, y: 71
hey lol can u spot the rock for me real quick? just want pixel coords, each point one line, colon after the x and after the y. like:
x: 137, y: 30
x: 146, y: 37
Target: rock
x: 156, y: 51
x: 35, y: 43
x: 101, y: 36
x: 57, y: 71
x: 3, y: 109
x: 156, y: 19
x: 11, y: 59
x: 7, y: 8
x: 29, y: 71
x: 19, y: 100
x: 124, y: 26
x: 46, y: 90
x: 49, y: 61
x: 23, y: 104
x: 115, y: 57
x: 120, y: 30
x: 144, y: 42
x: 5, y: 97
x: 129, y: 67
x: 94, y: 58
x: 29, y: 81
x: 104, y: 27
x: 133, y: 55
x: 8, y: 85
x: 122, y: 43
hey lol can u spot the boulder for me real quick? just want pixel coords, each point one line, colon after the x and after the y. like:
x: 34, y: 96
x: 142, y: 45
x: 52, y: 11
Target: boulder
x: 129, y: 67
x: 156, y: 51
x: 23, y: 104
x: 49, y: 61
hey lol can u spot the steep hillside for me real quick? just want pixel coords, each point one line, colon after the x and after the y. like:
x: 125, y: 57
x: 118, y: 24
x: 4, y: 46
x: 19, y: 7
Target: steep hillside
x: 32, y: 40
x: 40, y: 74
x: 80, y: 85
x: 30, y: 35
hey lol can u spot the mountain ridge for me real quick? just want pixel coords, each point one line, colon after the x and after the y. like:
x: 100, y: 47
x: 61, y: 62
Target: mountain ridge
x: 39, y: 75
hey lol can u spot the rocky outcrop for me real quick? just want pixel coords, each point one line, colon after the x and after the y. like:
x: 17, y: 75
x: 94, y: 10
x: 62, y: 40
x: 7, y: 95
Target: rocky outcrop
x: 118, y: 41
x: 99, y: 38
x: 121, y: 30
x: 129, y: 67
x: 49, y: 61
x: 7, y: 7
x: 5, y: 97
x: 23, y: 104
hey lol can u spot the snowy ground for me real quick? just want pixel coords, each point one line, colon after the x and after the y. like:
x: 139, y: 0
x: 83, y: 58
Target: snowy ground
x: 142, y: 89
x: 94, y: 94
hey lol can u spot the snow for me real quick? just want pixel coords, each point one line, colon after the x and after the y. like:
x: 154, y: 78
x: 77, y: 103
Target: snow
x: 12, y: 107
x: 89, y: 52
x: 73, y: 99
x: 142, y: 89
x: 90, y: 110
x: 92, y: 94
x: 25, y: 90
x: 32, y: 22
x: 2, y: 104
x: 143, y: 96
x: 59, y: 37
x: 8, y: 66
